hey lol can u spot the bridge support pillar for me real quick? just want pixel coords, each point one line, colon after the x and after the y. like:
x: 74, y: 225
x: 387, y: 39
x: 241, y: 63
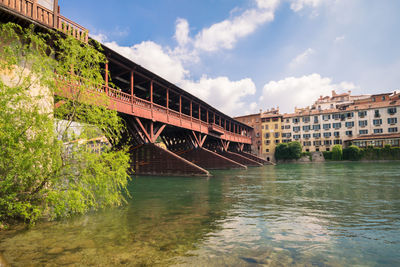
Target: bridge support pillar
x: 150, y: 159
x: 241, y: 159
x: 210, y: 160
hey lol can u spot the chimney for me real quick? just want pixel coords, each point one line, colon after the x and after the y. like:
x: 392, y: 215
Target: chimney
x: 333, y: 93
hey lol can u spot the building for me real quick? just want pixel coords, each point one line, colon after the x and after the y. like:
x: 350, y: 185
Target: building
x: 320, y: 129
x: 253, y: 120
x: 340, y: 119
x: 271, y: 126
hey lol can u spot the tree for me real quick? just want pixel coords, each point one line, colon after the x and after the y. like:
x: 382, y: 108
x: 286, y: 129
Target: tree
x: 337, y: 153
x: 39, y: 176
x: 295, y: 149
x: 291, y: 150
x: 282, y: 151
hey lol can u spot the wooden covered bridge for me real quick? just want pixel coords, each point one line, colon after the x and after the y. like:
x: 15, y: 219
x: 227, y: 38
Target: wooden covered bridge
x: 197, y: 136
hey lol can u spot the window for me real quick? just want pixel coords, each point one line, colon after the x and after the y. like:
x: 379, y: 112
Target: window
x: 362, y: 123
x: 296, y: 128
x: 276, y: 135
x: 337, y: 125
x: 276, y: 126
x: 306, y: 127
x: 307, y: 143
x: 287, y: 120
x: 376, y: 113
x: 373, y: 99
x: 315, y: 119
x: 392, y: 111
x: 266, y: 135
x: 383, y: 98
x: 266, y: 127
x: 392, y: 120
x: 362, y: 113
x: 336, y: 134
x: 262, y: 127
x: 336, y: 116
x: 349, y: 133
x: 337, y: 142
x: 326, y: 135
x: 317, y: 135
x: 287, y: 135
x: 306, y: 136
x: 363, y: 131
x: 326, y: 117
x: 267, y: 142
x: 316, y: 127
x: 277, y: 141
x: 326, y: 126
x: 296, y: 136
x: 295, y: 120
x: 327, y: 142
x: 267, y: 150
x: 282, y: 127
x: 257, y: 134
x: 377, y: 131
x: 287, y: 126
x: 377, y: 121
x: 306, y: 119
x: 349, y: 124
x: 392, y: 130
x: 317, y: 143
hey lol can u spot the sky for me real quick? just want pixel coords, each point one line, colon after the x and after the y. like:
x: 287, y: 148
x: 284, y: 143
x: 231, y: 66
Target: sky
x: 245, y: 55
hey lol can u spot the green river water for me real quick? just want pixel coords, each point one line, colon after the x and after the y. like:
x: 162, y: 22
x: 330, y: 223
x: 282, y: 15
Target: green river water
x: 328, y: 214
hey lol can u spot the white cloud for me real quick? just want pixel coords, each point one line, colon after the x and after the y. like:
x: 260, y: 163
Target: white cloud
x: 302, y: 58
x: 182, y: 32
x: 225, y: 34
x: 299, y: 91
x: 99, y: 37
x: 153, y: 57
x: 339, y: 39
x: 223, y: 93
x: 298, y: 5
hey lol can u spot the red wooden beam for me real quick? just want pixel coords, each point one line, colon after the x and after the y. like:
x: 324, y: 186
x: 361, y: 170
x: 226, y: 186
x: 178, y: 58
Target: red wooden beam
x: 158, y: 132
x: 144, y: 129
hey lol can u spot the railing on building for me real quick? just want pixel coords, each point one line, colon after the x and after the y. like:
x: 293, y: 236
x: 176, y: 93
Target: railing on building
x: 50, y: 18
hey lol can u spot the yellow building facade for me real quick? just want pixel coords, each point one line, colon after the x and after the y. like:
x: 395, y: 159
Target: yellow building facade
x: 271, y: 125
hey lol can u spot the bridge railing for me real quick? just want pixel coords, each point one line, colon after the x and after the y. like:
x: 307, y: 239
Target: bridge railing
x: 32, y: 10
x: 71, y: 28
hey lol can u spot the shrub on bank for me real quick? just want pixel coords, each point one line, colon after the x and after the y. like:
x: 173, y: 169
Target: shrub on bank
x: 337, y: 152
x: 352, y: 153
x: 285, y: 151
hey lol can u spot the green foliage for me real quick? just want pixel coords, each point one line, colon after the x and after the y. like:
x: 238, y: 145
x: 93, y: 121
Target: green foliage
x: 385, y: 153
x: 295, y: 149
x: 285, y: 151
x: 352, y: 153
x: 282, y: 151
x: 337, y: 153
x: 39, y: 175
x: 327, y: 155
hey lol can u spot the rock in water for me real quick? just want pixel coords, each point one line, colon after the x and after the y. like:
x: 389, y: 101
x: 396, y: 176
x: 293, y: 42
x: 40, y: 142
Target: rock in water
x: 3, y: 262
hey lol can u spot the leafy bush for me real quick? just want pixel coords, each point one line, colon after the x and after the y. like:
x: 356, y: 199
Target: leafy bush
x: 337, y: 153
x: 327, y: 155
x: 352, y: 153
x: 295, y: 149
x: 291, y: 150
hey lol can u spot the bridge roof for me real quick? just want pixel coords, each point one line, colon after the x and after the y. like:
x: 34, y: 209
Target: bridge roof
x: 129, y: 64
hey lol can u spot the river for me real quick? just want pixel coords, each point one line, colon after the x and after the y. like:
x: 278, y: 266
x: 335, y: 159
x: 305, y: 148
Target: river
x: 328, y: 214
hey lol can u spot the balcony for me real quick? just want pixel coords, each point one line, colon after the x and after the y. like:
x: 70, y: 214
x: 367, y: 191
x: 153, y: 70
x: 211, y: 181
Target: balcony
x: 47, y: 16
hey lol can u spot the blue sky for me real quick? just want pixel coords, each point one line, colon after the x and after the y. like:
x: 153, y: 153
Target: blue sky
x: 246, y: 55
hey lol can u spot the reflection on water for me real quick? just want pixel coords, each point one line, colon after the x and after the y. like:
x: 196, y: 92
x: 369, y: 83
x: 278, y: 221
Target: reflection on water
x: 331, y: 214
